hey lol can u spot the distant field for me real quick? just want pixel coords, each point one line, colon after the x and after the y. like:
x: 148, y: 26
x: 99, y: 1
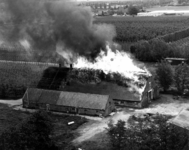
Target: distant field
x: 169, y: 8
x: 133, y: 29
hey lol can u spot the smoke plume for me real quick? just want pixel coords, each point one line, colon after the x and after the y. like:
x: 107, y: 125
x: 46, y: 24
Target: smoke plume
x: 44, y: 24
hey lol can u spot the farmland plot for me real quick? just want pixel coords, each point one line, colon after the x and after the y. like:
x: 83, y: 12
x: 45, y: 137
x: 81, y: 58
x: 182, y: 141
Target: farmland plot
x: 133, y: 29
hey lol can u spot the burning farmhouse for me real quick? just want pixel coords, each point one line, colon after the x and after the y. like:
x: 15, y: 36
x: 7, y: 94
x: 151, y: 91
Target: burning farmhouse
x: 50, y: 31
x: 94, y: 88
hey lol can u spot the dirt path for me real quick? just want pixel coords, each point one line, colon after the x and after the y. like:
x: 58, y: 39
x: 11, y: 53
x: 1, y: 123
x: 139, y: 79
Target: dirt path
x: 166, y: 105
x: 16, y: 105
x: 92, y: 128
x: 12, y: 102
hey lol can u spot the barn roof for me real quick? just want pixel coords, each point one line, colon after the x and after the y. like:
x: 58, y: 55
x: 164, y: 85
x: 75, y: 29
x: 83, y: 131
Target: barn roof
x: 83, y: 100
x: 49, y: 97
x: 62, y: 98
x: 105, y: 88
x: 169, y: 58
x: 182, y: 119
x: 32, y: 94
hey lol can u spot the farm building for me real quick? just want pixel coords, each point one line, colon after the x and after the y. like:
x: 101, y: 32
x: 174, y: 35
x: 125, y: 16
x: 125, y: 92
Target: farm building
x: 175, y: 61
x: 97, y: 82
x: 68, y: 102
x: 122, y: 96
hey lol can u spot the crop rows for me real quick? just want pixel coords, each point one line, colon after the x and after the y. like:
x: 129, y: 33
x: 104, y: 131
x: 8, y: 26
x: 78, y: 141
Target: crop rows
x: 16, y: 77
x: 181, y: 43
x: 133, y: 29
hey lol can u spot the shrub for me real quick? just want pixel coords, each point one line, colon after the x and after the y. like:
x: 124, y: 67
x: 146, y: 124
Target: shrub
x: 164, y: 74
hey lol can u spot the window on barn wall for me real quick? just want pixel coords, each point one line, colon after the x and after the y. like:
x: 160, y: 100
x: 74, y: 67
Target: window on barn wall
x: 116, y: 102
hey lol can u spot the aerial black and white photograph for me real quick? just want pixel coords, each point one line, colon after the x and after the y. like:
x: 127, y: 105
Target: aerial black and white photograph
x: 94, y: 74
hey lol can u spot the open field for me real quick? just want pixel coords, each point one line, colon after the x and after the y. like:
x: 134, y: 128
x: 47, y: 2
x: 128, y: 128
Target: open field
x: 133, y: 29
x: 176, y: 8
x: 16, y: 77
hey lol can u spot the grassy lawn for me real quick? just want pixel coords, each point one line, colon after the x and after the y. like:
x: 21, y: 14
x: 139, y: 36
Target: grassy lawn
x: 10, y: 117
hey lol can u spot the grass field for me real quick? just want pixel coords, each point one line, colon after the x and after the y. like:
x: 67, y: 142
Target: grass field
x: 176, y: 8
x: 16, y: 77
x: 11, y: 118
x: 134, y: 29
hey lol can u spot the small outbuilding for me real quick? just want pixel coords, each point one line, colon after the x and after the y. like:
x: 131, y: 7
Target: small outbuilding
x: 176, y: 61
x: 68, y: 102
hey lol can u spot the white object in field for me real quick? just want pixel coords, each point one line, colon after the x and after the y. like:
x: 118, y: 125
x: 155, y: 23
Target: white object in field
x: 72, y: 122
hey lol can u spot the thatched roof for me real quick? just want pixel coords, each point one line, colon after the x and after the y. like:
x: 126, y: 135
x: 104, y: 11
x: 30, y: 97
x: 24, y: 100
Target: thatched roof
x: 105, y: 88
x: 72, y: 99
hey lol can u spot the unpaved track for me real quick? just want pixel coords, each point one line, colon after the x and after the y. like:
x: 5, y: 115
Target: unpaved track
x: 92, y: 128
x: 166, y: 105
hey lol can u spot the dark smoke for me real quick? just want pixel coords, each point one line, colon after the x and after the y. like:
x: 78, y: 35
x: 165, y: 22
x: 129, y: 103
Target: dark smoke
x: 44, y: 24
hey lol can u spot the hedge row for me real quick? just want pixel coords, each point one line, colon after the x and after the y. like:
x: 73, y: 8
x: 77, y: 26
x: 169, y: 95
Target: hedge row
x: 155, y: 50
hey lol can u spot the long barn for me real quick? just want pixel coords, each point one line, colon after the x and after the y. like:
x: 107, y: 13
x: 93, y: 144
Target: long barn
x: 68, y: 102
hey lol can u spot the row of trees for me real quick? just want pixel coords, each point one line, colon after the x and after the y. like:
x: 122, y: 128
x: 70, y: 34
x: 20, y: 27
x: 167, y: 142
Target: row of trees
x: 155, y: 50
x: 175, y: 36
x: 147, y: 135
x: 179, y: 77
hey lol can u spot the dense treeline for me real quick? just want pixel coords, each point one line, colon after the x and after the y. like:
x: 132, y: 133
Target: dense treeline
x: 155, y: 50
x: 133, y: 29
x: 175, y: 77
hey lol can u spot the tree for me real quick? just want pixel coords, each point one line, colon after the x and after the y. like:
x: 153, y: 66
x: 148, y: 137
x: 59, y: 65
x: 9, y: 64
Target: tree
x: 181, y: 77
x: 164, y: 74
x: 117, y: 134
x: 159, y: 49
x: 33, y: 134
x: 147, y: 134
x: 132, y: 10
